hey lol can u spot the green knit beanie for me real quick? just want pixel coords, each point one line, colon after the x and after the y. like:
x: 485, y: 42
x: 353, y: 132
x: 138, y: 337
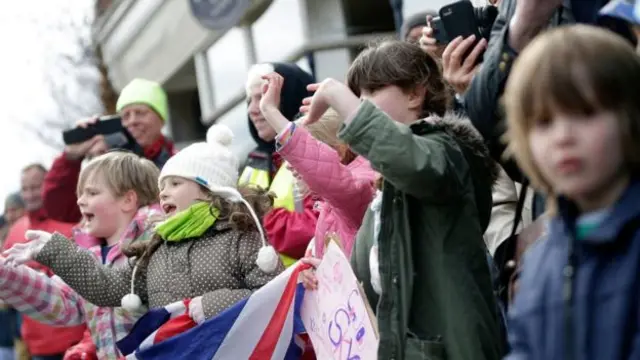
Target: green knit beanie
x: 146, y: 92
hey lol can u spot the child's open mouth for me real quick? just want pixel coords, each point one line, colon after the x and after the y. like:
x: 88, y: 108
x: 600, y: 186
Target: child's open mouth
x: 88, y: 217
x: 168, y: 208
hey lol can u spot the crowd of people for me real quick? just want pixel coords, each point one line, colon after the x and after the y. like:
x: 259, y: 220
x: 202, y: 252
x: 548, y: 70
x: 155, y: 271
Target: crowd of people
x: 486, y: 191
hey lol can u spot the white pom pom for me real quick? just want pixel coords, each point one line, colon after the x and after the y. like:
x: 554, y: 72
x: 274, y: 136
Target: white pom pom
x: 219, y: 134
x: 268, y: 259
x: 131, y: 302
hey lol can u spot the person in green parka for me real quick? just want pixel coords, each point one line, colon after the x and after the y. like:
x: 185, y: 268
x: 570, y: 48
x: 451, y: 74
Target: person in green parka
x: 420, y: 252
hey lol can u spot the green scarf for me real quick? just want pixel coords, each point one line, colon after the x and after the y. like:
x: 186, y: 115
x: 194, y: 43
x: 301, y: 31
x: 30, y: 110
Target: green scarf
x: 189, y: 223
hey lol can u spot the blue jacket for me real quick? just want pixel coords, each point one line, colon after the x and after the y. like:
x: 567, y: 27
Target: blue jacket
x: 604, y: 312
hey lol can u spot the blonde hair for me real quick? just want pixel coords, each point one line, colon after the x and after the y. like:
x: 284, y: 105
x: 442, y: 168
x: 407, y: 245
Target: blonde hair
x: 599, y: 71
x: 255, y: 74
x: 124, y: 171
x: 326, y: 130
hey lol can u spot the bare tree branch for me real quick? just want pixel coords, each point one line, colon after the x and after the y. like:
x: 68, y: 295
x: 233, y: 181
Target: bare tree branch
x: 72, y: 76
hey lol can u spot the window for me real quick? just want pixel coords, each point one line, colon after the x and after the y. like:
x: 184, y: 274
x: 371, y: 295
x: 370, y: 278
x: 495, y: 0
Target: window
x: 228, y: 63
x: 279, y: 31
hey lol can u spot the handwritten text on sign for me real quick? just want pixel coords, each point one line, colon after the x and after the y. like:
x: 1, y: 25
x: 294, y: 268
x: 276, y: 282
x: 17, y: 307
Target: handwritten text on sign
x: 335, y: 315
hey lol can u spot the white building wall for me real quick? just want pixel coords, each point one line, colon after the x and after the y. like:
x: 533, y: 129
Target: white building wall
x: 281, y: 30
x: 325, y: 21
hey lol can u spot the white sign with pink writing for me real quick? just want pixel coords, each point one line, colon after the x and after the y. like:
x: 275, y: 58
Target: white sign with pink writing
x: 335, y: 315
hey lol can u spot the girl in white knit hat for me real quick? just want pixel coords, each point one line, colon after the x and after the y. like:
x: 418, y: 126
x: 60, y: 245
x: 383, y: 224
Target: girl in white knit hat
x: 211, y: 249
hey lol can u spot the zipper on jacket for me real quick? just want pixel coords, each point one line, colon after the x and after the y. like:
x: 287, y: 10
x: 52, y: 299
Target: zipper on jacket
x: 568, y: 293
x: 387, y: 301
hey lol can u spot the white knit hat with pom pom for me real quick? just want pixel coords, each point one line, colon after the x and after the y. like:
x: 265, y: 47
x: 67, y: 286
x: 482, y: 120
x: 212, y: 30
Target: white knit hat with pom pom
x: 210, y: 164
x: 213, y: 165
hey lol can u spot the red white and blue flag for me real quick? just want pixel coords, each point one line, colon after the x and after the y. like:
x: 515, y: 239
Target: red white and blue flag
x: 264, y: 325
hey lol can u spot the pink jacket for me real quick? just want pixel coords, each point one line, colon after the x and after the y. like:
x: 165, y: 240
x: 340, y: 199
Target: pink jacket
x: 346, y: 190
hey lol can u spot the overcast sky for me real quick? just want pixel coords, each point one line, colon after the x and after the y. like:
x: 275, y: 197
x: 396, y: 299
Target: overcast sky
x: 33, y: 34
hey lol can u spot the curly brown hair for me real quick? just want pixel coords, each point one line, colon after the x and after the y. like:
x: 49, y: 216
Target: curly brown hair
x: 236, y: 213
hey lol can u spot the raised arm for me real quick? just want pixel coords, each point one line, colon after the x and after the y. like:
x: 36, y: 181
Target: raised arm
x: 316, y: 162
x: 423, y: 166
x: 512, y: 31
x: 47, y: 300
x: 481, y: 100
x: 98, y: 284
x: 321, y: 169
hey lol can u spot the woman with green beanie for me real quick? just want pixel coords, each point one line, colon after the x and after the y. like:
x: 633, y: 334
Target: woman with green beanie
x: 144, y: 110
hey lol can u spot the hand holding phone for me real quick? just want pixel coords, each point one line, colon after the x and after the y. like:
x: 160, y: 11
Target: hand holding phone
x: 459, y: 20
x: 87, y: 129
x: 439, y: 33
x: 460, y: 61
x: 97, y: 135
x: 91, y: 147
x: 431, y: 39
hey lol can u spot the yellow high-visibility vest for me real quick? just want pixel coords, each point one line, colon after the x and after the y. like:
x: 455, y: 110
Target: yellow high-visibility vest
x: 254, y: 177
x: 283, y: 186
x: 287, y: 194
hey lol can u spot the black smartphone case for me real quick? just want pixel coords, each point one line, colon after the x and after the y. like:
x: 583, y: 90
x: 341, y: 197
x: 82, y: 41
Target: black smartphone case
x: 103, y: 127
x: 459, y: 19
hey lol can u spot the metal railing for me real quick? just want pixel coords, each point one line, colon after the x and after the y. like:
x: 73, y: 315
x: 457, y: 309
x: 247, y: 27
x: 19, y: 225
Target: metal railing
x: 310, y: 47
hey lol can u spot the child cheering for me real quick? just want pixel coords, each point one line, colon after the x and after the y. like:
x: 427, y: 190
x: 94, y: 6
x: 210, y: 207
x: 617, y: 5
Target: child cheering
x: 117, y: 196
x: 210, y: 249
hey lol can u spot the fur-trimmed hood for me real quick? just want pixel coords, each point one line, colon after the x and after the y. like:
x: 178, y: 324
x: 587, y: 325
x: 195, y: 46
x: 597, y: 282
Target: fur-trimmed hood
x: 484, y: 169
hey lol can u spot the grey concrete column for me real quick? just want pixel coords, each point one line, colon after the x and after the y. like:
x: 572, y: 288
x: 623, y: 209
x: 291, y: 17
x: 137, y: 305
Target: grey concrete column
x: 252, y: 58
x: 324, y: 19
x: 205, y: 88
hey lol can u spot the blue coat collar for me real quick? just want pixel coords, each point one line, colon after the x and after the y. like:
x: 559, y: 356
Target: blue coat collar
x: 626, y: 209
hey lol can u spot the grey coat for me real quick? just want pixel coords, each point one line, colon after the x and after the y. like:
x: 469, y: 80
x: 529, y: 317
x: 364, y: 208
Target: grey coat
x: 220, y: 266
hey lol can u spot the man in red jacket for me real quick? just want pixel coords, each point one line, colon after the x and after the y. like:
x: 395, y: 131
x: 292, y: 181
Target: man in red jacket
x: 43, y: 342
x: 144, y: 109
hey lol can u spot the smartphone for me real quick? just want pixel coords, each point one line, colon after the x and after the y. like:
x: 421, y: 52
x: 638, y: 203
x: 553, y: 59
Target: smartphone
x: 106, y: 125
x: 459, y: 19
x: 115, y: 135
x: 439, y: 33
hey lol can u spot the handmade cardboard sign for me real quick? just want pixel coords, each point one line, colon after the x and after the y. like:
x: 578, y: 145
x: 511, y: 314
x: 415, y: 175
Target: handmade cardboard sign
x: 337, y: 317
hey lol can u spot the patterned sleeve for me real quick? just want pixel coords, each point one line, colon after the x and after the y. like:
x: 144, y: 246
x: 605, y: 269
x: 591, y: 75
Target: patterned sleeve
x: 47, y: 300
x: 246, y: 248
x: 98, y: 284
